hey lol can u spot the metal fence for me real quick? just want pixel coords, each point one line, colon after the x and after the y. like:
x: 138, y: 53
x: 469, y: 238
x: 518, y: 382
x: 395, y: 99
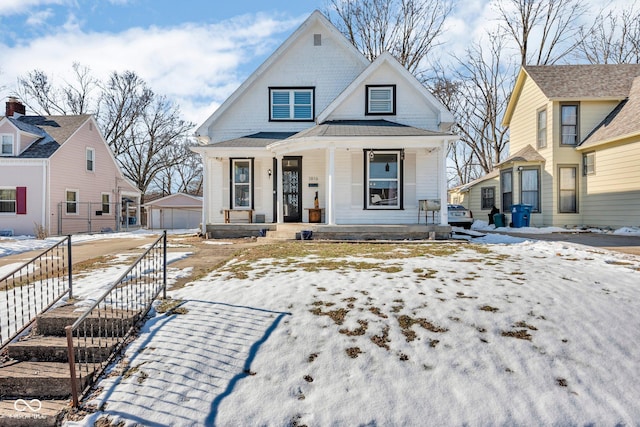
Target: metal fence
x: 33, y: 288
x: 101, y: 332
x: 95, y: 217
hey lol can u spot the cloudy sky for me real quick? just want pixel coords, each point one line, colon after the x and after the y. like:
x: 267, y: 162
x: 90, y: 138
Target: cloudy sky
x: 194, y: 51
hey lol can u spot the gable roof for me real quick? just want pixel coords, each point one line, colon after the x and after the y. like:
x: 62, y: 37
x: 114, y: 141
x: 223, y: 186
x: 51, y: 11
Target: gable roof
x: 527, y: 154
x: 623, y: 122
x: 315, y: 18
x: 444, y: 114
x: 182, y: 199
x: 466, y: 187
x: 576, y: 82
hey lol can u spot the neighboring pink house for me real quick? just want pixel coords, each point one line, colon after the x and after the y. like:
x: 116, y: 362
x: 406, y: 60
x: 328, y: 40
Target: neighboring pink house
x: 58, y: 173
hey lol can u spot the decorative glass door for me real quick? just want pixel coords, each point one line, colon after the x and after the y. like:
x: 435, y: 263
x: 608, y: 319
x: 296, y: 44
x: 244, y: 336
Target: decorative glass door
x: 291, y: 194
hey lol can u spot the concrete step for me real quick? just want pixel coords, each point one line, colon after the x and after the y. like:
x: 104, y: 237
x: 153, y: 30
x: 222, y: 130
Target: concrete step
x: 108, y: 322
x: 31, y: 412
x: 41, y: 348
x: 27, y: 380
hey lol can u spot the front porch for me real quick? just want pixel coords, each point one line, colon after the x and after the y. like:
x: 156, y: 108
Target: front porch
x: 291, y: 231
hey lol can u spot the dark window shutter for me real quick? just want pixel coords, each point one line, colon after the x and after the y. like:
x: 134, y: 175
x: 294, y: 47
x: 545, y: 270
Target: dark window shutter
x: 21, y: 200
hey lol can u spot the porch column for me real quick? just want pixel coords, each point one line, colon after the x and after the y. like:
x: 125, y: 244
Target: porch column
x: 442, y: 168
x: 279, y: 177
x: 205, y: 192
x: 331, y: 170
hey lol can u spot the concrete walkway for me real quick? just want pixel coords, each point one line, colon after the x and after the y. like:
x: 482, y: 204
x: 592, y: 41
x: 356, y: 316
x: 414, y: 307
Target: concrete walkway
x: 618, y: 243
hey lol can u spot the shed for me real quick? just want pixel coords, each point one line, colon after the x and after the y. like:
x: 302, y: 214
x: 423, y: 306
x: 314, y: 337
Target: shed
x: 176, y: 211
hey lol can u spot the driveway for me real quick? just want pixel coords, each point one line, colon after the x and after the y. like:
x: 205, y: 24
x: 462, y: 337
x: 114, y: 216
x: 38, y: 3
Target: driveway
x: 624, y: 244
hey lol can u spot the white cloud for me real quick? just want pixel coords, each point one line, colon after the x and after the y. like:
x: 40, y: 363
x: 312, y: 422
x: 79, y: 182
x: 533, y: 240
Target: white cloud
x: 12, y: 7
x: 196, y: 65
x: 39, y: 18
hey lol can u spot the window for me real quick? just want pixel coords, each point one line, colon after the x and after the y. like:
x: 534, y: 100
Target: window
x: 72, y: 202
x: 530, y: 188
x: 569, y: 124
x: 383, y: 177
x: 241, y: 190
x: 488, y: 195
x: 506, y: 184
x: 90, y: 159
x: 589, y: 163
x: 106, y: 203
x: 568, y: 190
x: 7, y: 145
x: 291, y: 104
x: 542, y: 128
x: 7, y: 200
x: 381, y: 100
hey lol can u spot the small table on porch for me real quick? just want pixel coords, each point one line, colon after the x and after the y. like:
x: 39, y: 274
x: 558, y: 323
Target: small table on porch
x: 315, y: 214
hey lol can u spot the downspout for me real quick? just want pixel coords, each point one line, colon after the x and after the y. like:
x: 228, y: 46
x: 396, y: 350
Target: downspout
x: 45, y: 191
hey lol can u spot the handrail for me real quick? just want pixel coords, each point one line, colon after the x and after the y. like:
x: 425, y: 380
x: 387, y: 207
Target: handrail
x: 98, y: 335
x: 33, y: 288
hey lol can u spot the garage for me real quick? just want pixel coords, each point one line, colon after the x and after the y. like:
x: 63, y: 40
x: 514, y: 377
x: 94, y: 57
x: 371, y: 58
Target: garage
x: 176, y: 211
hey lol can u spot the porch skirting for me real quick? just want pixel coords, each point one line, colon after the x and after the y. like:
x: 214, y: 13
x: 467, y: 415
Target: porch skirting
x: 290, y: 231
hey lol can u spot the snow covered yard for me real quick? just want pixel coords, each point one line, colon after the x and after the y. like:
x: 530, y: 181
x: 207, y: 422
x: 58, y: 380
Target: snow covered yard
x: 530, y: 333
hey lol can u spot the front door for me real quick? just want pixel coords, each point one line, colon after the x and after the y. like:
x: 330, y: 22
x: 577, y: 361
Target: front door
x: 291, y: 189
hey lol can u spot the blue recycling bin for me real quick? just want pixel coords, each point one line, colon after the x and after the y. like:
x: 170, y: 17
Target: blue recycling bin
x: 520, y: 215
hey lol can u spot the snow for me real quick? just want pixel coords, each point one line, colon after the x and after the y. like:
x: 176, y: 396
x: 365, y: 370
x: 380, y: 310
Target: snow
x: 259, y: 348
x: 250, y: 351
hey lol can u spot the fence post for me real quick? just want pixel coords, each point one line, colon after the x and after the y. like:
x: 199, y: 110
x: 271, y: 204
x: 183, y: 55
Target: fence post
x: 69, y: 266
x: 164, y: 264
x: 72, y: 365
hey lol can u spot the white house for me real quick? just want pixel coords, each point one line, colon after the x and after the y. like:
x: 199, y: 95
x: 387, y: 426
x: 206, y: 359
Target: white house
x: 318, y: 125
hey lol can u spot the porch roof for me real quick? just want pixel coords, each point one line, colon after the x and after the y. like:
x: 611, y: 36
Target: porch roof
x: 256, y: 140
x: 527, y: 155
x: 355, y: 128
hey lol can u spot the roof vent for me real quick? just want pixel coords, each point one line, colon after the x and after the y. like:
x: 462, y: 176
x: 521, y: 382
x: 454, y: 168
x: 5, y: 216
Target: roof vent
x: 317, y: 39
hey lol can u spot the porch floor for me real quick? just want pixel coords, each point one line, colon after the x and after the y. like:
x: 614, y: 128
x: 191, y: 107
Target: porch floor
x: 291, y: 231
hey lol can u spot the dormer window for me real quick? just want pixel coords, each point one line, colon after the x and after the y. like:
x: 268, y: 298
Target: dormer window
x: 381, y: 100
x: 6, y: 149
x: 291, y: 104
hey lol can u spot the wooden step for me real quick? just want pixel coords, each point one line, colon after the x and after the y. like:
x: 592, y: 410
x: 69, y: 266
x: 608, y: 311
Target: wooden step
x: 38, y: 413
x: 22, y: 380
x: 41, y: 348
x: 107, y: 322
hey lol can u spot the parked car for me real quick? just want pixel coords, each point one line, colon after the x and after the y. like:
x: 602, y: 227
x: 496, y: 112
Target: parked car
x: 459, y: 216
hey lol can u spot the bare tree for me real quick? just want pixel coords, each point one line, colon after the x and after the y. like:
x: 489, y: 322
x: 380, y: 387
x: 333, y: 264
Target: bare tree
x: 614, y: 38
x: 408, y: 29
x: 545, y: 31
x: 186, y: 175
x: 38, y: 92
x: 150, y: 142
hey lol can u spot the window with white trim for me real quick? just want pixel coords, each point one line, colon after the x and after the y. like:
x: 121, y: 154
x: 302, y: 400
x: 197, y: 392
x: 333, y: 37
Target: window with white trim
x: 71, y: 202
x: 380, y: 100
x: 542, y: 128
x: 530, y: 188
x: 589, y: 163
x: 7, y: 200
x: 291, y: 104
x: 91, y: 156
x: 6, y: 148
x: 106, y: 203
x: 241, y: 183
x: 383, y: 179
x: 506, y: 188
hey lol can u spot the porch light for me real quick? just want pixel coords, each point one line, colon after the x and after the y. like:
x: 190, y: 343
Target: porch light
x: 371, y: 154
x: 269, y: 172
x: 402, y: 154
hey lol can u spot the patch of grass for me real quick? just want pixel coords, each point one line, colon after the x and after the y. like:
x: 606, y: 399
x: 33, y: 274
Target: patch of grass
x: 378, y: 312
x: 353, y: 352
x: 489, y: 308
x: 358, y: 331
x: 171, y: 306
x: 382, y: 340
x: 312, y: 357
x: 406, y: 322
x: 336, y: 315
x: 521, y: 334
x: 525, y: 325
x: 562, y: 382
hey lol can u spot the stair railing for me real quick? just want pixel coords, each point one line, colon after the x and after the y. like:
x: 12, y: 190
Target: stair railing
x: 33, y: 288
x: 96, y: 338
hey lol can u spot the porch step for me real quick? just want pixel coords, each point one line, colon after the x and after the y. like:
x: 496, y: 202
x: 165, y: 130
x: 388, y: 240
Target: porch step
x: 38, y: 413
x: 54, y: 349
x: 22, y: 380
x: 110, y: 322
